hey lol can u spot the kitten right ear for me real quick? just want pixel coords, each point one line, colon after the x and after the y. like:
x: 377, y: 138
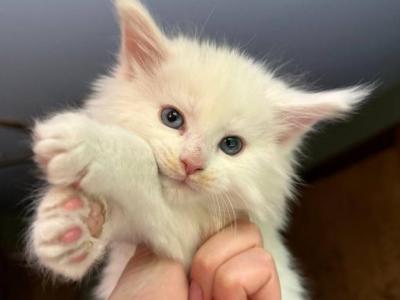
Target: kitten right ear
x: 302, y: 110
x: 143, y: 45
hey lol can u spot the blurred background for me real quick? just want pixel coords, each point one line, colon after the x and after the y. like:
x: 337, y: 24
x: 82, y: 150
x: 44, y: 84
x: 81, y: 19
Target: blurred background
x: 346, y: 223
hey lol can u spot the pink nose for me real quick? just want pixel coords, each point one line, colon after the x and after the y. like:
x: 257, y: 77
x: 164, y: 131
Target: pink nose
x: 191, y: 167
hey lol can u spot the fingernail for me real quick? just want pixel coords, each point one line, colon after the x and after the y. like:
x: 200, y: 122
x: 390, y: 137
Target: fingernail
x: 195, y: 292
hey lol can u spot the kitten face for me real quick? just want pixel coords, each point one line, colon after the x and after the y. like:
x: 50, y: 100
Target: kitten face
x: 218, y: 93
x: 217, y: 96
x: 210, y: 114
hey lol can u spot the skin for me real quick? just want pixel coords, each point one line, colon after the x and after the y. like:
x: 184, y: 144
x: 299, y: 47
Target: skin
x: 231, y: 265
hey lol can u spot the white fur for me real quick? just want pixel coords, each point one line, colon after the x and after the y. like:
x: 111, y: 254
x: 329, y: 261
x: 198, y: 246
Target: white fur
x: 130, y: 160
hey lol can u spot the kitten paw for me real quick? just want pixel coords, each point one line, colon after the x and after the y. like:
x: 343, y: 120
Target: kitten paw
x: 70, y: 232
x: 62, y: 147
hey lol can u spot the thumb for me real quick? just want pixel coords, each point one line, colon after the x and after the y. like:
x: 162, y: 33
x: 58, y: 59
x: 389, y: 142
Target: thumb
x: 148, y: 277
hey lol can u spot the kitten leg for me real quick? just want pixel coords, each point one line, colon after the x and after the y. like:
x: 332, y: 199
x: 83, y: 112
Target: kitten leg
x: 68, y: 235
x: 111, y: 163
x: 73, y: 149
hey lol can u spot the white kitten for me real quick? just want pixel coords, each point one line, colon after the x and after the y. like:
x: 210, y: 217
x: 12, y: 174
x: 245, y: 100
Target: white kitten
x: 181, y: 138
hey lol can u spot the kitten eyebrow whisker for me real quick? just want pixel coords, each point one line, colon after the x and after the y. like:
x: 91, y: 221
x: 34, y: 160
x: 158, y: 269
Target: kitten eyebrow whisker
x: 207, y: 20
x: 246, y: 45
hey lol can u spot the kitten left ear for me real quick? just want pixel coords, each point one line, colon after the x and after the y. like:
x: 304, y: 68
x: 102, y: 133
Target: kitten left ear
x: 298, y: 114
x: 143, y: 45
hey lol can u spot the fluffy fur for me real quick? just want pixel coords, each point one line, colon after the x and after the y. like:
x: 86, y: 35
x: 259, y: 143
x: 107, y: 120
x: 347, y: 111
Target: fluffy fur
x: 123, y: 156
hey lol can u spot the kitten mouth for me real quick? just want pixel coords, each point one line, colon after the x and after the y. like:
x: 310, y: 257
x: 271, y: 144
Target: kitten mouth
x: 174, y: 182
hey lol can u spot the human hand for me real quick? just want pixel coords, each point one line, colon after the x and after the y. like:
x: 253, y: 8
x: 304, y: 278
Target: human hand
x: 147, y: 277
x: 231, y: 265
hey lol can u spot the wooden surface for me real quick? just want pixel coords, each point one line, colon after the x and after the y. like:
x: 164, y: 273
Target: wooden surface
x: 346, y: 230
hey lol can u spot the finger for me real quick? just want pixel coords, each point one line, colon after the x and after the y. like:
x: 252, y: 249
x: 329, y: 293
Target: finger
x: 220, y: 248
x: 249, y: 275
x: 147, y: 277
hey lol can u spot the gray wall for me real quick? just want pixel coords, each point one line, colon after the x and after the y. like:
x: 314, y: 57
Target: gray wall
x: 51, y: 50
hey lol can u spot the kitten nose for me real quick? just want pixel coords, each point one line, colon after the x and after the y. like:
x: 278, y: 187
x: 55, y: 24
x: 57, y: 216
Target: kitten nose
x: 191, y: 166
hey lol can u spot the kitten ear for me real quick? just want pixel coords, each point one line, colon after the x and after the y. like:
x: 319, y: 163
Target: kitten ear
x: 143, y: 45
x: 298, y: 114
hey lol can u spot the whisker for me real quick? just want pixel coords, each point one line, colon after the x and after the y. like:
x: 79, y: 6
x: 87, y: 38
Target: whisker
x: 226, y: 215
x: 243, y: 202
x: 203, y: 27
x: 221, y: 215
x: 211, y: 209
x: 231, y: 209
x: 214, y: 210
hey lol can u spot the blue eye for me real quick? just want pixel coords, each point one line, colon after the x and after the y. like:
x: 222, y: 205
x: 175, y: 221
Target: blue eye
x: 172, y: 118
x: 231, y: 145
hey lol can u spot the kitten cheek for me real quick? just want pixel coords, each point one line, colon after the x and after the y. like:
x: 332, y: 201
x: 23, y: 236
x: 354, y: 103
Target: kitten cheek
x: 211, y: 182
x: 205, y: 180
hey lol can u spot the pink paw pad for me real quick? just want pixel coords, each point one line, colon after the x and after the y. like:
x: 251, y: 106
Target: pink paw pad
x: 71, y: 235
x: 73, y: 204
x: 79, y: 258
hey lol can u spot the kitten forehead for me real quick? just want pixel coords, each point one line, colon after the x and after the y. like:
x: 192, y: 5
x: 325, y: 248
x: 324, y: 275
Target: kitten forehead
x: 216, y: 86
x: 214, y: 71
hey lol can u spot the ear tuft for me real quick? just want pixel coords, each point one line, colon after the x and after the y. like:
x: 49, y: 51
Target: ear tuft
x: 344, y: 100
x: 303, y: 110
x: 143, y: 45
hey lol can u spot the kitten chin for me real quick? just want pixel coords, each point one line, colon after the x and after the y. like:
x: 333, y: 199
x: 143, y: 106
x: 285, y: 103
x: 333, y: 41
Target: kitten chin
x: 174, y: 190
x: 182, y: 193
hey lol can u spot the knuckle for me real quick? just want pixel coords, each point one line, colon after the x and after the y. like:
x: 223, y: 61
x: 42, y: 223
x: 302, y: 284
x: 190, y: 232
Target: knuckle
x: 226, y: 281
x: 202, y: 264
x: 255, y: 233
x: 265, y: 258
